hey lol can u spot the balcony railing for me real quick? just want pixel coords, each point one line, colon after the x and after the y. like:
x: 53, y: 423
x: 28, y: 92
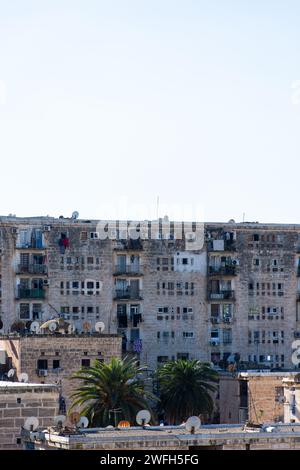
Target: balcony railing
x: 221, y: 295
x: 31, y: 293
x: 32, y: 269
x: 216, y: 320
x: 35, y: 245
x: 128, y: 269
x: 132, y: 294
x: 222, y: 270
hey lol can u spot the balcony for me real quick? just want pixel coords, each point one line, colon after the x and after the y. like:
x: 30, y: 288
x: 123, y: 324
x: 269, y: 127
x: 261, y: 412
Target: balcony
x: 228, y: 270
x: 30, y: 293
x: 128, y: 269
x: 222, y: 245
x: 33, y: 245
x: 127, y: 294
x: 221, y: 295
x: 32, y: 269
x: 130, y: 244
x: 216, y: 320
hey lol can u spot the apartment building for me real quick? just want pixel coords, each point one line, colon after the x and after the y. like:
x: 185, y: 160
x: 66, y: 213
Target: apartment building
x: 224, y: 292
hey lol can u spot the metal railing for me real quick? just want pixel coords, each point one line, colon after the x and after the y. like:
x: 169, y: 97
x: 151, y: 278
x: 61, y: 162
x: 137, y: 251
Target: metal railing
x: 31, y: 293
x: 32, y: 268
x: 128, y: 269
x: 221, y: 295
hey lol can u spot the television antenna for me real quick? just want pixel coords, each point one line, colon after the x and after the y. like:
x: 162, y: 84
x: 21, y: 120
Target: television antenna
x: 11, y: 373
x: 143, y: 417
x: 99, y: 326
x: 59, y: 420
x: 35, y: 327
x: 83, y: 422
x: 31, y: 424
x: 71, y: 328
x: 52, y: 326
x: 193, y: 424
x: 23, y: 377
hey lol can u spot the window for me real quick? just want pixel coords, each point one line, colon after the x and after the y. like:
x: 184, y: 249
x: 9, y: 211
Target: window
x: 83, y: 236
x: 85, y: 362
x: 255, y: 237
x: 90, y: 260
x: 56, y: 364
x: 42, y: 364
x: 187, y: 334
x: 256, y: 262
x: 24, y: 311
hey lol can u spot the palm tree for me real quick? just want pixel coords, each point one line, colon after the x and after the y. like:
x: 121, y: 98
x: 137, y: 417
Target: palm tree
x: 111, y: 391
x: 185, y: 389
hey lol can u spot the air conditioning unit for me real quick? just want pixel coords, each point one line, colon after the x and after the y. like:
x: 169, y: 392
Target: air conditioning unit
x: 296, y: 334
x: 46, y: 282
x: 42, y: 372
x: 227, y: 320
x: 214, y: 342
x: 235, y: 262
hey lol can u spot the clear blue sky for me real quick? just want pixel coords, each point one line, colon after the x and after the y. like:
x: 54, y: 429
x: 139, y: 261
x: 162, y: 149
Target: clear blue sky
x: 104, y: 105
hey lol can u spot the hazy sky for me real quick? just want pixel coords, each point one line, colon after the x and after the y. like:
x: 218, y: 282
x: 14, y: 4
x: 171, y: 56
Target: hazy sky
x: 105, y: 105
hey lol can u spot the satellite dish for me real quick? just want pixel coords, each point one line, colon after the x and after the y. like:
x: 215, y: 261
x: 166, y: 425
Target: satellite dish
x: 71, y: 328
x: 75, y: 215
x: 11, y: 373
x: 99, y: 326
x: 193, y: 424
x: 109, y: 427
x: 23, y: 377
x: 83, y: 422
x: 74, y: 417
x: 86, y: 326
x: 59, y: 420
x: 143, y: 417
x: 52, y: 326
x: 31, y: 424
x: 49, y: 322
x: 35, y: 327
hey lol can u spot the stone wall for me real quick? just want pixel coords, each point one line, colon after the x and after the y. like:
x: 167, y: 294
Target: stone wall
x: 20, y: 401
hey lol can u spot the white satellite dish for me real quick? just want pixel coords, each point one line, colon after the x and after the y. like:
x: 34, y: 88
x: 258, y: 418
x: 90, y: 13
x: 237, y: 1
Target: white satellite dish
x: 23, y: 377
x: 71, y: 328
x: 31, y: 424
x: 11, y: 373
x: 193, y: 424
x: 52, y: 326
x: 99, y: 326
x: 75, y: 215
x: 83, y: 422
x: 59, y: 420
x: 143, y: 417
x: 35, y: 327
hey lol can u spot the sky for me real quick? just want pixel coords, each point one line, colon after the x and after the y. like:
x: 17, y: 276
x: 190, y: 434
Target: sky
x: 141, y: 108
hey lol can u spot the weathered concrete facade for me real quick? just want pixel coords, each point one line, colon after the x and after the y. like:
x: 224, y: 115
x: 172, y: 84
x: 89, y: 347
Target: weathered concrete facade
x: 54, y: 358
x: 19, y: 401
x: 234, y: 298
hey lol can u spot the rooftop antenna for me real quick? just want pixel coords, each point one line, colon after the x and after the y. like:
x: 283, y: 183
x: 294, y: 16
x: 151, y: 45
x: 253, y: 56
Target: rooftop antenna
x: 143, y: 417
x: 35, y: 327
x: 157, y: 207
x: 193, y: 424
x: 52, y: 326
x: 11, y: 373
x: 71, y: 328
x: 243, y: 217
x: 99, y: 326
x: 23, y: 377
x: 83, y: 422
x: 59, y: 421
x: 31, y: 424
